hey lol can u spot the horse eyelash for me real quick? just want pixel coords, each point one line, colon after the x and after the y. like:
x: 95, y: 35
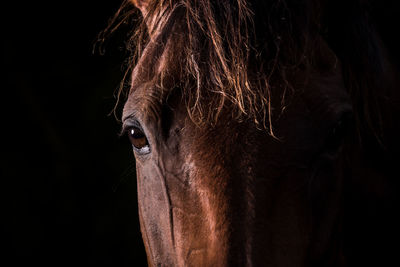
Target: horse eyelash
x: 123, y: 131
x: 127, y: 124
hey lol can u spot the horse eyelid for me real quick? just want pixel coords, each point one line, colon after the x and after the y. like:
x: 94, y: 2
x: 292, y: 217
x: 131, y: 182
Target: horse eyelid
x: 129, y: 123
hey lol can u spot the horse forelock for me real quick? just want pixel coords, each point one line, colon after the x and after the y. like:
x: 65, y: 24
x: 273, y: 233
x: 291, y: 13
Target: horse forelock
x: 214, y: 58
x: 233, y: 52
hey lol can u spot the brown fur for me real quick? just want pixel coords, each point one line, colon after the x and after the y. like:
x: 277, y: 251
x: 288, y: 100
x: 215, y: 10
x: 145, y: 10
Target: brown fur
x: 221, y: 51
x: 217, y: 191
x: 223, y: 46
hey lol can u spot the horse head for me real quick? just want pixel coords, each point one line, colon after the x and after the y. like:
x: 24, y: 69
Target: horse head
x: 243, y: 130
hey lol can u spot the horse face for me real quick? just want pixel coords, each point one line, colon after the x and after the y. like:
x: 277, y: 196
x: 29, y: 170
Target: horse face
x: 230, y: 194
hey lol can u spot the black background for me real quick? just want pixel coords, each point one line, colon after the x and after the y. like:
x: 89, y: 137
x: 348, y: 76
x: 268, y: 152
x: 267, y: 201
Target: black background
x: 68, y: 189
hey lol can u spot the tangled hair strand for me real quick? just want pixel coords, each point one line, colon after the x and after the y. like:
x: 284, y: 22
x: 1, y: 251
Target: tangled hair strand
x: 240, y: 54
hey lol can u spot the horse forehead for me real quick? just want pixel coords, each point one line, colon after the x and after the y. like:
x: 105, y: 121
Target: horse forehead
x: 160, y: 52
x: 154, y: 76
x: 150, y: 65
x: 144, y: 83
x: 143, y: 103
x: 148, y: 91
x: 158, y: 65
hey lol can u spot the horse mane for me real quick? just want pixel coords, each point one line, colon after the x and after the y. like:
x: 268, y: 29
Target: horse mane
x: 238, y: 52
x: 366, y: 69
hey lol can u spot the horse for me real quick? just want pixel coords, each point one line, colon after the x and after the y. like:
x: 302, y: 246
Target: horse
x: 264, y: 133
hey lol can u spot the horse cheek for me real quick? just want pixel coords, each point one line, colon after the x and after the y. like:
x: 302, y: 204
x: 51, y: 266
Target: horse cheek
x: 155, y: 214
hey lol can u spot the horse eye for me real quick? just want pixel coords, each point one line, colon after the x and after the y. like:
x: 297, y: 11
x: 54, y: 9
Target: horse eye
x: 138, y: 140
x: 339, y: 132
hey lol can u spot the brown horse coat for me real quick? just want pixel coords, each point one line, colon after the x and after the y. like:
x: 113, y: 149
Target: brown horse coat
x: 258, y: 136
